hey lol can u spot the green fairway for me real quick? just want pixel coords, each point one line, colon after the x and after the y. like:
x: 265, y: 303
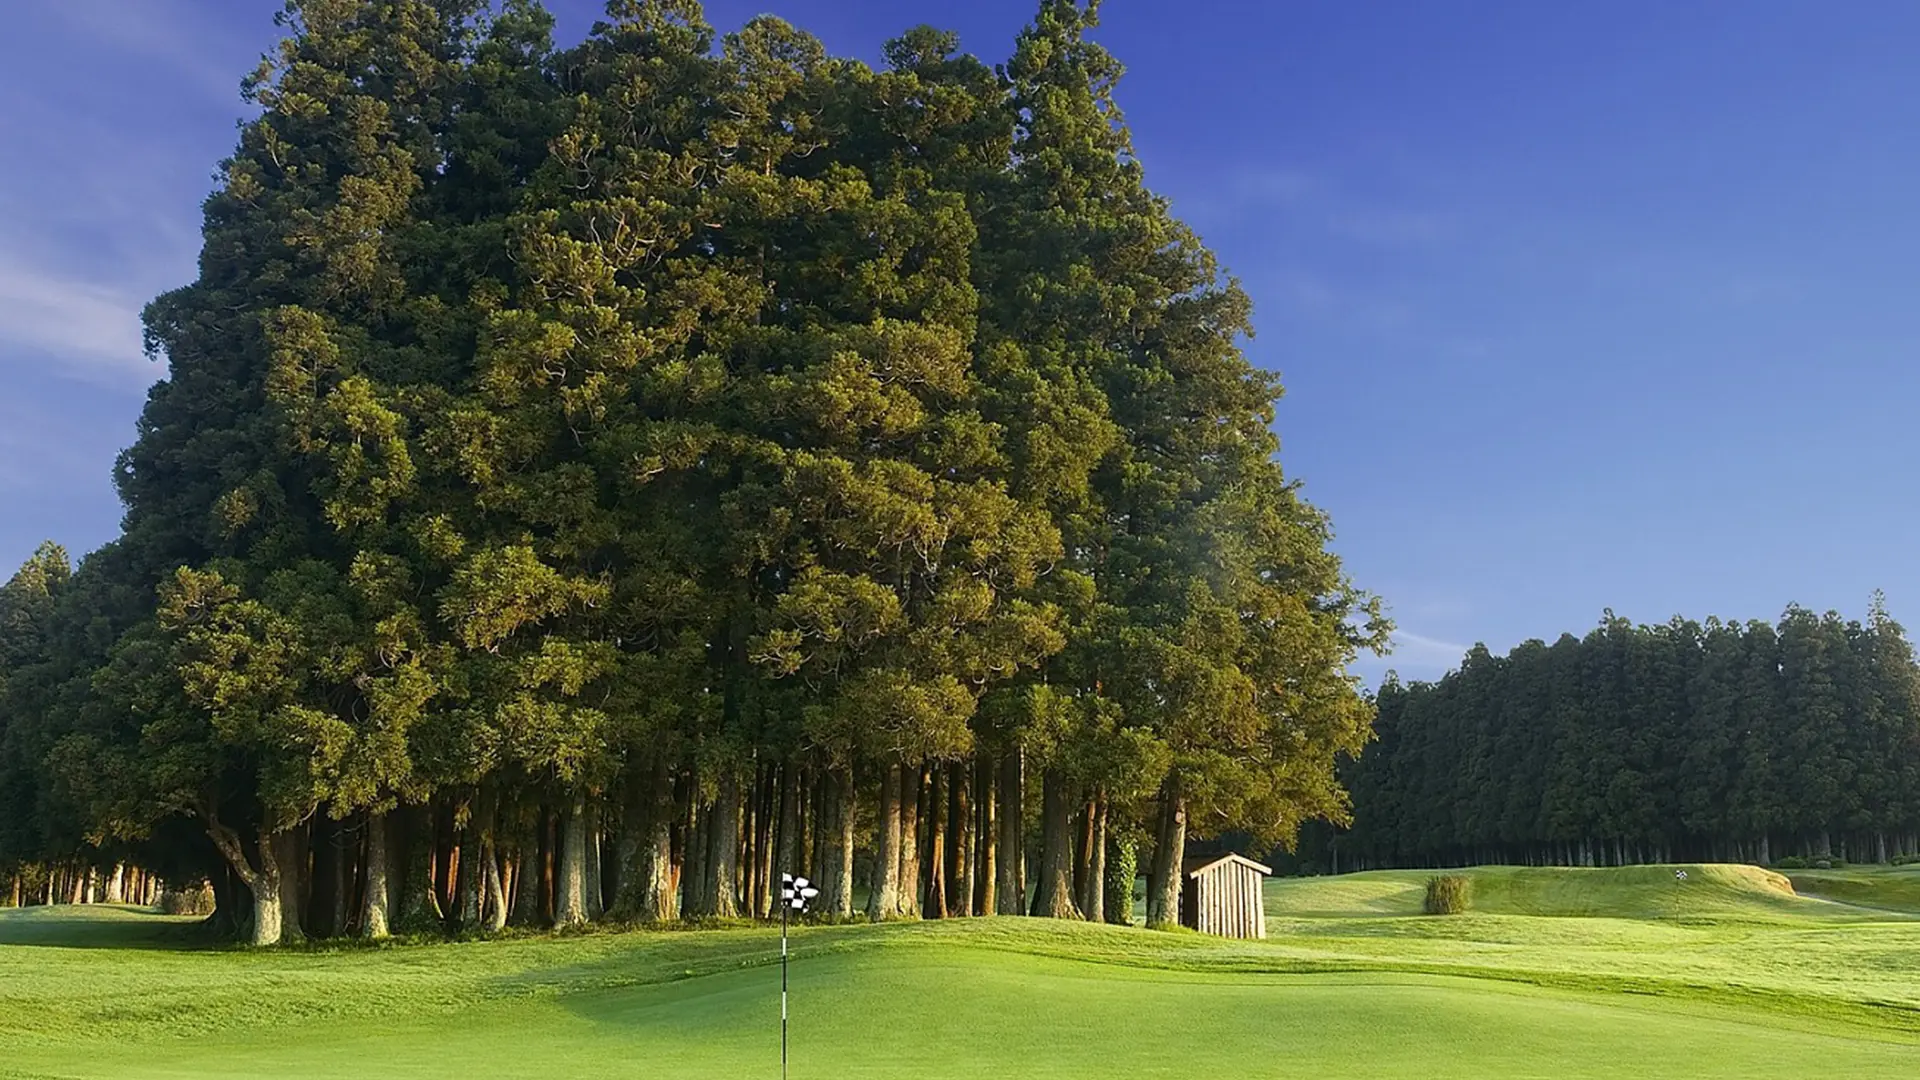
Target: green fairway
x: 1736, y: 978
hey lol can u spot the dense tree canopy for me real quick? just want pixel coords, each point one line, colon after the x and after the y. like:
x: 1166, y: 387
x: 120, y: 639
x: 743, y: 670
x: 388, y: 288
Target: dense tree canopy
x: 1684, y: 740
x: 596, y: 479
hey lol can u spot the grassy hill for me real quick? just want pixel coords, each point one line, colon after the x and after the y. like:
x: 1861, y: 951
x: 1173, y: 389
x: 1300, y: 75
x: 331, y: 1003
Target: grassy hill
x: 1632, y: 892
x: 1741, y: 980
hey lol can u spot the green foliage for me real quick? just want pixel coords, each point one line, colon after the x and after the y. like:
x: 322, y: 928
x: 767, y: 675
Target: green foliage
x: 1123, y: 870
x: 1448, y: 894
x: 1756, y: 742
x: 635, y: 425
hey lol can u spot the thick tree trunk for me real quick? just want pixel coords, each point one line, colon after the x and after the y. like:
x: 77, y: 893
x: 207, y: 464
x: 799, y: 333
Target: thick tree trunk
x: 262, y: 875
x: 13, y: 891
x: 1053, y: 893
x: 960, y: 840
x: 839, y: 868
x: 788, y: 857
x: 986, y: 838
x: 470, y: 886
x: 695, y: 900
x: 570, y: 894
x: 884, y: 891
x: 646, y: 850
x: 526, y: 881
x: 419, y: 902
x: 723, y: 853
x: 935, y: 888
x: 325, y: 899
x: 269, y: 911
x: 493, y: 889
x: 376, y: 906
x: 294, y: 853
x: 912, y: 793
x: 117, y: 884
x: 593, y: 884
x: 1169, y: 851
x: 1012, y: 879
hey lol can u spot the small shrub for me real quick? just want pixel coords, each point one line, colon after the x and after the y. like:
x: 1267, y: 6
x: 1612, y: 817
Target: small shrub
x: 192, y: 900
x: 1123, y: 857
x: 1448, y: 894
x: 1823, y: 864
x: 1791, y: 862
x: 1905, y: 860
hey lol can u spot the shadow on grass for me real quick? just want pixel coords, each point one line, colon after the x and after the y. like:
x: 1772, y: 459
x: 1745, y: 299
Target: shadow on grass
x: 103, y: 926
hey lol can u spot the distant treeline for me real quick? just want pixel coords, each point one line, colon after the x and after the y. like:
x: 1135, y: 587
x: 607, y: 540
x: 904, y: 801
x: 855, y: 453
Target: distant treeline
x: 1715, y: 741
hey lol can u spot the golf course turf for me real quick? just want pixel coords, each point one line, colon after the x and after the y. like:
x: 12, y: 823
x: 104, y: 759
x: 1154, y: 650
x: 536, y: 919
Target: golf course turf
x: 1554, y: 973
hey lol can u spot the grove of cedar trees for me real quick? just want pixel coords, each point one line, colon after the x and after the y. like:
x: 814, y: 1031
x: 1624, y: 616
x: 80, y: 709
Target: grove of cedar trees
x: 593, y: 481
x: 1682, y: 741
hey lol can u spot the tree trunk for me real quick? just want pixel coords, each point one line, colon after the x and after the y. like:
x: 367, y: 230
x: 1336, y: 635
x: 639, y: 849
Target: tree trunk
x: 470, y: 885
x: 1084, y: 824
x: 936, y: 813
x: 726, y: 848
x: 787, y: 856
x: 324, y: 899
x: 263, y: 880
x: 840, y: 844
x: 1012, y: 878
x: 419, y: 902
x: 960, y: 826
x: 1053, y: 893
x: 570, y: 894
x: 493, y: 889
x: 376, y: 906
x: 1169, y: 851
x: 1094, y: 906
x: 883, y: 894
x: 912, y: 792
x: 594, y: 893
x: 646, y: 850
x: 987, y: 838
x: 117, y: 884
x: 293, y: 854
x: 527, y: 879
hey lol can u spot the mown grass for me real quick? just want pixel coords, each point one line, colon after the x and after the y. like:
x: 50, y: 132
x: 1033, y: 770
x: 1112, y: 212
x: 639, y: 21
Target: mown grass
x: 1749, y: 981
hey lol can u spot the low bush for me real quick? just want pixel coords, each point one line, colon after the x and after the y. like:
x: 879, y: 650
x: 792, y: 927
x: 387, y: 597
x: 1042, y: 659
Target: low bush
x: 1905, y: 860
x: 192, y: 900
x: 1448, y: 894
x: 1791, y: 862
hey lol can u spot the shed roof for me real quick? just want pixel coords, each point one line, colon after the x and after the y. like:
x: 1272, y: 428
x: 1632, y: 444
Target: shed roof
x: 1198, y: 863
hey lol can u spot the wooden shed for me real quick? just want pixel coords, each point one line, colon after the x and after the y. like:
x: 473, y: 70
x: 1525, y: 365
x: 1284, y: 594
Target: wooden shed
x: 1220, y: 894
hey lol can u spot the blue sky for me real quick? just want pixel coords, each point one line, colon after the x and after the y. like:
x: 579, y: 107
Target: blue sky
x: 1578, y: 306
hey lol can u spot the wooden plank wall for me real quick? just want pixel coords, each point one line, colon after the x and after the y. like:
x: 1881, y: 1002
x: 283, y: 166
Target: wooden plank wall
x: 1229, y: 902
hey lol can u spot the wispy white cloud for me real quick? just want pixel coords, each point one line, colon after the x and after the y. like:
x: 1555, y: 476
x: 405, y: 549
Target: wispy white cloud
x: 1426, y: 652
x: 168, y: 32
x: 92, y: 329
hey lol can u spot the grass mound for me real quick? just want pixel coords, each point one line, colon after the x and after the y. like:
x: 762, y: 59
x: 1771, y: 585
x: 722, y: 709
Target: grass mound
x: 1632, y: 892
x: 1894, y: 889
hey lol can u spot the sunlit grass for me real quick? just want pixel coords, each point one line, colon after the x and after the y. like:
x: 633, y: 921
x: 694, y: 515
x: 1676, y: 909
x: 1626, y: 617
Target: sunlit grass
x: 1729, y: 974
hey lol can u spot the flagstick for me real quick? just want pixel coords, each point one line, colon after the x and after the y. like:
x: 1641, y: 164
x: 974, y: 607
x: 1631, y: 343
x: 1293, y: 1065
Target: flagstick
x: 783, y: 989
